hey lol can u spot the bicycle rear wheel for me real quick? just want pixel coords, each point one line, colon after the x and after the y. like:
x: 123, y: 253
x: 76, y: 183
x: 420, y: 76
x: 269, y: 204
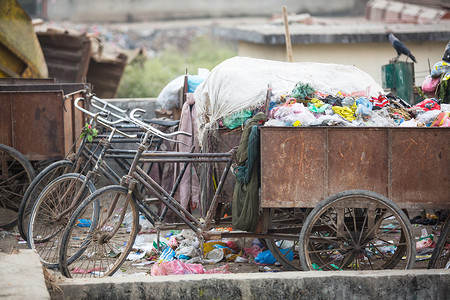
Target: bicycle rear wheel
x: 38, y: 184
x: 50, y: 215
x: 16, y: 173
x: 101, y: 249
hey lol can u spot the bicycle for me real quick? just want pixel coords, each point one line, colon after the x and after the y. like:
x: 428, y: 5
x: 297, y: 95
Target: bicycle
x: 100, y: 249
x: 71, y: 163
x: 440, y: 259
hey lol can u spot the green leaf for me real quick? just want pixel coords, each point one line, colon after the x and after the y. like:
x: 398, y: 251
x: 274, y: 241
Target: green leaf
x: 89, y: 138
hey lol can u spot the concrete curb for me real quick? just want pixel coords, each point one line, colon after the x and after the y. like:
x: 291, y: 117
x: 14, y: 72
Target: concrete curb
x: 391, y: 284
x: 21, y: 276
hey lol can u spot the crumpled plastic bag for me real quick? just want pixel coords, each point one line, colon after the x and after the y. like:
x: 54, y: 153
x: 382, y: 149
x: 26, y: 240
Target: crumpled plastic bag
x: 186, y: 253
x: 346, y: 112
x: 440, y: 68
x: 167, y: 255
x: 177, y: 267
x: 426, y: 105
x: 237, y: 119
x: 430, y: 84
x: 426, y: 118
x: 303, y: 91
x: 364, y: 108
x: 381, y: 118
x: 169, y: 97
x: 266, y: 257
x: 317, y: 106
x: 425, y: 243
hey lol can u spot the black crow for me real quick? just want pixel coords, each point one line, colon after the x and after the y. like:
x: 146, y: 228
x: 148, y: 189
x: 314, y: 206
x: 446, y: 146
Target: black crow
x: 400, y: 47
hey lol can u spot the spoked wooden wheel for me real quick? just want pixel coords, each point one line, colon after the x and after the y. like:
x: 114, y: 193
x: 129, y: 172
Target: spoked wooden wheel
x: 288, y: 222
x: 16, y: 173
x: 356, y: 230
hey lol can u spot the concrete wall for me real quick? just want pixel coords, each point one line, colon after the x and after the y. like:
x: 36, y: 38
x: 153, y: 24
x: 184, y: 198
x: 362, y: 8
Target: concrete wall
x: 144, y: 10
x: 369, y: 57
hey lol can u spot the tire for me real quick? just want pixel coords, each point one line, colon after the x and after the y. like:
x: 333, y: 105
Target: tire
x: 47, y: 222
x: 51, y: 172
x: 441, y: 255
x: 96, y: 254
x: 356, y: 230
x: 16, y: 174
x: 288, y: 221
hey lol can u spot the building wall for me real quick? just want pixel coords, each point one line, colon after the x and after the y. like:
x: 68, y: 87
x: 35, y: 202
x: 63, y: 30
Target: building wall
x: 368, y: 57
x: 144, y: 10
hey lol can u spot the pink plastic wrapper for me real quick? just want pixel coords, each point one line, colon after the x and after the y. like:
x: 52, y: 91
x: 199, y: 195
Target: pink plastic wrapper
x: 177, y: 267
x: 425, y: 243
x: 173, y: 243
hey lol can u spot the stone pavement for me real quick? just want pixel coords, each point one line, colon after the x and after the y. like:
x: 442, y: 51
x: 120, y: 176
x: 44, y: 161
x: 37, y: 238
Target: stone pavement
x: 21, y: 276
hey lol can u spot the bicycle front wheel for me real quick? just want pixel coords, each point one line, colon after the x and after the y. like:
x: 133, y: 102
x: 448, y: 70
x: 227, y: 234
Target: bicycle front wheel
x: 52, y: 211
x: 440, y: 259
x: 16, y: 173
x: 100, y: 248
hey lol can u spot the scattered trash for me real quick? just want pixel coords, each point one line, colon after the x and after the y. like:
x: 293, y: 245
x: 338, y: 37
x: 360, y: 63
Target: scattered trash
x: 177, y: 267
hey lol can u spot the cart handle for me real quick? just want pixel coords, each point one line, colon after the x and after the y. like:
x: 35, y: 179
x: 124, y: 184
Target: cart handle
x: 73, y: 93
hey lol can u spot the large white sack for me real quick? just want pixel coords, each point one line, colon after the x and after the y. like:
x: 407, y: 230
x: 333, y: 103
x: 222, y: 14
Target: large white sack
x: 241, y: 83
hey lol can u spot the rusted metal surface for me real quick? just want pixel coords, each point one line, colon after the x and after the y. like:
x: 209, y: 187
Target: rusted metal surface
x: 105, y: 75
x: 67, y: 54
x: 38, y: 120
x: 302, y: 166
x: 421, y: 167
x: 20, y: 52
x: 357, y: 159
x: 36, y: 123
x: 67, y: 88
x: 27, y: 80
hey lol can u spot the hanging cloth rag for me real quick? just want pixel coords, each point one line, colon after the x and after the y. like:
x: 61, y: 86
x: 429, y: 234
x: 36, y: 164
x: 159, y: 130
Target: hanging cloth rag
x: 246, y: 191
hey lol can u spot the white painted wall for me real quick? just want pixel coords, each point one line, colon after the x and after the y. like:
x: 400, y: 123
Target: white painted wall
x: 369, y: 57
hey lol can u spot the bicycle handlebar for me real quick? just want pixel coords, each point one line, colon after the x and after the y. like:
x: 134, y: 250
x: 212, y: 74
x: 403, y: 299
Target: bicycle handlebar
x: 152, y: 129
x: 103, y: 122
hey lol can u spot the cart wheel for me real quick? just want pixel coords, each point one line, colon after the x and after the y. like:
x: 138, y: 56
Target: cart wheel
x: 356, y: 230
x: 16, y: 173
x: 440, y: 259
x: 286, y: 221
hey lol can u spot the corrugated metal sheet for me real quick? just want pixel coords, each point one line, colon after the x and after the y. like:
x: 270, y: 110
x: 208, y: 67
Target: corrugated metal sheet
x: 67, y: 54
x: 105, y: 74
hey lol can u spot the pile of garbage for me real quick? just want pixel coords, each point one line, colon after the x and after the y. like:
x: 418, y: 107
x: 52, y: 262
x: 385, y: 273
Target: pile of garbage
x: 181, y: 253
x: 304, y: 94
x: 308, y: 107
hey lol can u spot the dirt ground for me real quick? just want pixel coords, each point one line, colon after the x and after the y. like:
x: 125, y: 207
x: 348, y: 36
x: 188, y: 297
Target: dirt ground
x: 10, y: 241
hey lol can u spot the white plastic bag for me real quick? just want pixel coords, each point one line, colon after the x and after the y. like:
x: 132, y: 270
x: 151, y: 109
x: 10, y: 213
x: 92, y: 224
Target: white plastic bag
x: 169, y: 97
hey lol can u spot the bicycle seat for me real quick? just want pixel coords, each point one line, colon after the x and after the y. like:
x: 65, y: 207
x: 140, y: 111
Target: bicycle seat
x: 168, y: 123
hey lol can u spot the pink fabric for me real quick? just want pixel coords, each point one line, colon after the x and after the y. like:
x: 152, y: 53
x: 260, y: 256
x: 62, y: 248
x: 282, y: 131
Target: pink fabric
x: 189, y: 189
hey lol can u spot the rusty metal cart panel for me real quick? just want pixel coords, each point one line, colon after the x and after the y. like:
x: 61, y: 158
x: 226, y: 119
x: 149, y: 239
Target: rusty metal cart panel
x: 302, y: 166
x: 36, y: 123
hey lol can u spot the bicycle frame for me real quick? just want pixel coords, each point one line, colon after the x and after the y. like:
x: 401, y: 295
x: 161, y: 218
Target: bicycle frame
x: 137, y: 176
